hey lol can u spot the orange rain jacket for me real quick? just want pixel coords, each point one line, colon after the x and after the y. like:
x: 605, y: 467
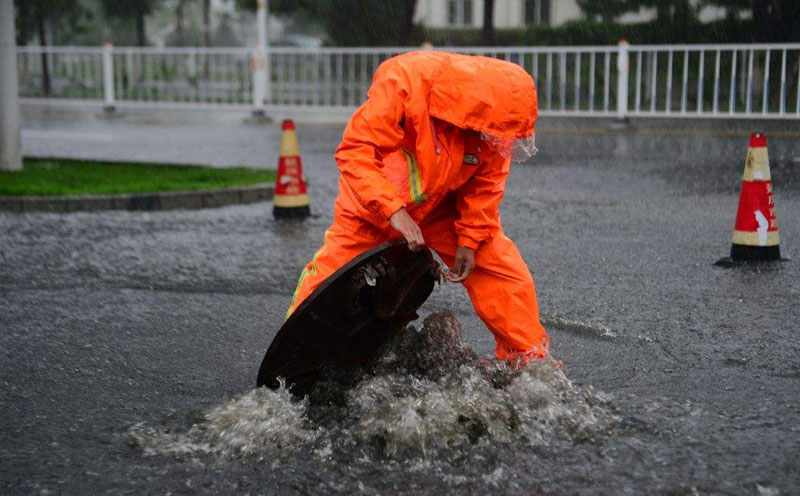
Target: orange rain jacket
x: 395, y: 131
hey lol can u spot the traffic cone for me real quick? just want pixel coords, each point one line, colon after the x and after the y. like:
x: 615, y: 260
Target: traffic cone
x: 291, y: 197
x: 755, y: 235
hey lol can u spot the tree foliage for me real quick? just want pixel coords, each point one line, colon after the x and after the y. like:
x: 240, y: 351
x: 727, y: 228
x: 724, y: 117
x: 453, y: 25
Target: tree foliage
x: 278, y: 6
x: 774, y: 20
x: 731, y: 4
x: 41, y: 16
x: 34, y: 16
x: 353, y: 22
x: 607, y: 10
x: 366, y: 22
x: 673, y: 11
x: 126, y: 10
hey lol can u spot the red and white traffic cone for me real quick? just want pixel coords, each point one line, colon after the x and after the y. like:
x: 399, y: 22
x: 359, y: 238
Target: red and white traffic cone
x: 291, y: 196
x: 755, y: 235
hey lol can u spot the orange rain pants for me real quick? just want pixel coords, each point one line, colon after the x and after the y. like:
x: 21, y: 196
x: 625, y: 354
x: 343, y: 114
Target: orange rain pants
x: 501, y: 287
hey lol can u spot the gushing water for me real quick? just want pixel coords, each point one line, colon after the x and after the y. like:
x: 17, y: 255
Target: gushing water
x: 256, y: 424
x: 425, y: 393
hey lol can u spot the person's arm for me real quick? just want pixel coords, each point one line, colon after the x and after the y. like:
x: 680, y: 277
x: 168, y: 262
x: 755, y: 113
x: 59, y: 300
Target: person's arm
x: 374, y: 131
x: 479, y: 200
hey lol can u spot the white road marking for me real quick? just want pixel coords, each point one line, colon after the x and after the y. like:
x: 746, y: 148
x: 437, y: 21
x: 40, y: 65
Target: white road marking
x: 38, y: 134
x: 587, y: 328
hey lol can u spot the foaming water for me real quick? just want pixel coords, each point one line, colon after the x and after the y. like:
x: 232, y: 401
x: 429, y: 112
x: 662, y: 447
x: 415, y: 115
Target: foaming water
x: 256, y: 424
x: 424, y: 394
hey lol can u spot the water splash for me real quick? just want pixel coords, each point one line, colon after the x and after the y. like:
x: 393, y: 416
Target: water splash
x: 259, y: 424
x: 430, y: 392
x: 425, y: 393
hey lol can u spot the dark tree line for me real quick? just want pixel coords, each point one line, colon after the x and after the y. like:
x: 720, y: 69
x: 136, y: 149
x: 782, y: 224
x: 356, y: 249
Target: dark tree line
x: 48, y: 20
x: 367, y: 22
x: 371, y: 22
x: 353, y: 22
x: 773, y: 20
x: 43, y: 19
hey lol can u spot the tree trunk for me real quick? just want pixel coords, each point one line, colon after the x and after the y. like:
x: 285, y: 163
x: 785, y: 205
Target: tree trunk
x: 765, y: 28
x: 22, y: 32
x: 488, y: 22
x: 404, y: 35
x: 683, y: 12
x: 662, y: 12
x: 54, y: 32
x: 141, y: 37
x: 179, y: 23
x: 207, y: 23
x: 40, y: 20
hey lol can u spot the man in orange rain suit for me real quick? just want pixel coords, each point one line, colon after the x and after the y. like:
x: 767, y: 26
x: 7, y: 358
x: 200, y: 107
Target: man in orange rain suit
x: 426, y: 157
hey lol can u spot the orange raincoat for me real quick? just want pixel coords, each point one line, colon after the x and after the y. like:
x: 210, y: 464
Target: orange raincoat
x: 416, y: 143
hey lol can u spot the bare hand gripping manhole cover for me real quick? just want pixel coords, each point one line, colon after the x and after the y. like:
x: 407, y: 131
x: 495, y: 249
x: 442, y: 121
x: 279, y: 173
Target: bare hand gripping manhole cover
x: 347, y: 318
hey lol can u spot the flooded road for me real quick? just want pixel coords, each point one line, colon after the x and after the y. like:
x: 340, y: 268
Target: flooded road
x: 426, y: 397
x: 131, y: 341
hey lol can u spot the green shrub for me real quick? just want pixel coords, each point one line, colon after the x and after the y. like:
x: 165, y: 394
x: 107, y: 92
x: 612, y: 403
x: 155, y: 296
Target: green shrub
x: 584, y: 32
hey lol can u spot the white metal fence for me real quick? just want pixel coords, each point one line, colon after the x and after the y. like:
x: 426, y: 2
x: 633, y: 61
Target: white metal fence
x: 743, y: 81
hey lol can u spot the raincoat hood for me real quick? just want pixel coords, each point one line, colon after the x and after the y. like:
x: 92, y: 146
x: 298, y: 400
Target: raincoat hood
x: 484, y: 94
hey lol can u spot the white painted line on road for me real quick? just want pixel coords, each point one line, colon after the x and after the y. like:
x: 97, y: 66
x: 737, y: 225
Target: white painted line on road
x: 36, y: 134
x: 586, y: 328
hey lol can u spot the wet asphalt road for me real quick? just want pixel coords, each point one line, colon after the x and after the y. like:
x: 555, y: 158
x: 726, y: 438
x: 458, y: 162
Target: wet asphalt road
x: 110, y: 319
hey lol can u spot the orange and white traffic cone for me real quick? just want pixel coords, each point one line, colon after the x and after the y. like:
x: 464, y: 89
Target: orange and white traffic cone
x: 291, y: 196
x: 755, y: 235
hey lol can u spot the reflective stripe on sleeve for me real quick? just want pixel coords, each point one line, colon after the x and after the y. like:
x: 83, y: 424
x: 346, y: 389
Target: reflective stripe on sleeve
x: 414, y: 181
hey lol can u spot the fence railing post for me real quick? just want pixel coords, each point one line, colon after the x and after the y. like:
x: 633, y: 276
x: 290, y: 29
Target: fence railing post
x: 262, y: 28
x: 108, y: 77
x: 259, y: 80
x: 623, y: 69
x: 260, y: 62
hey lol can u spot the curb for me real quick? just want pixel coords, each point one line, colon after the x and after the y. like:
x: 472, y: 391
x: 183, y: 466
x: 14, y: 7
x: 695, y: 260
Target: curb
x: 172, y: 200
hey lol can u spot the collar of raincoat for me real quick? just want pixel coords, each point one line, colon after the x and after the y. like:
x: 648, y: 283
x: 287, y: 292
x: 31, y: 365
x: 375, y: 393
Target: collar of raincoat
x: 484, y: 94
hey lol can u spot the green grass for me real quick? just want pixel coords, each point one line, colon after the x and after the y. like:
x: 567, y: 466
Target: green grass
x: 81, y: 177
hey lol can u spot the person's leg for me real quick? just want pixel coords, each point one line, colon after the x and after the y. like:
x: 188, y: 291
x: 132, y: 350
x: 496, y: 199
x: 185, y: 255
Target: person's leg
x: 502, y: 292
x: 339, y: 247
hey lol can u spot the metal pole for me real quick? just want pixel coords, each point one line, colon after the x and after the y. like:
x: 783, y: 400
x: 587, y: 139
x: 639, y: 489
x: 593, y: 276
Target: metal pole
x: 267, y: 55
x: 638, y: 97
x: 654, y: 82
x: 562, y: 79
x: 668, y: 104
x: 10, y: 156
x: 622, y: 78
x: 591, y: 81
x: 108, y: 78
x: 262, y: 22
x: 257, y: 68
